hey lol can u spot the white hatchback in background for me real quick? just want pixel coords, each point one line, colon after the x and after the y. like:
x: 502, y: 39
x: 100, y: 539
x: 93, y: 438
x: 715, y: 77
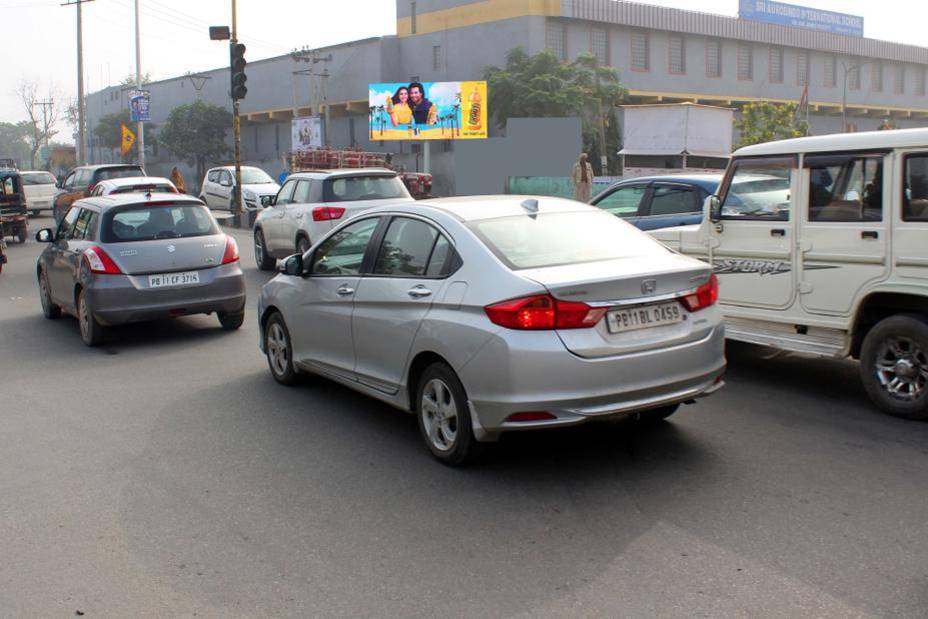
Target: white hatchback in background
x: 257, y: 188
x: 40, y: 187
x: 312, y: 203
x: 134, y: 184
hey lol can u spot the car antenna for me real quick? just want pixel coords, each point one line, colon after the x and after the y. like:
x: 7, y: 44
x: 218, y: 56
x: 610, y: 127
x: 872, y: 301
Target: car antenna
x: 530, y: 205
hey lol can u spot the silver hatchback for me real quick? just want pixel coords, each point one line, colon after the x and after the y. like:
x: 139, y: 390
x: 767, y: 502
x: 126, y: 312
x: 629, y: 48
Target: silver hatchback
x: 487, y: 314
x: 135, y: 257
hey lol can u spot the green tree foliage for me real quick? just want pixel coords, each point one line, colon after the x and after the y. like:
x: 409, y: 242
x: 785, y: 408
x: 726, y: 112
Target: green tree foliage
x: 542, y: 86
x: 14, y: 141
x: 764, y: 121
x: 196, y: 133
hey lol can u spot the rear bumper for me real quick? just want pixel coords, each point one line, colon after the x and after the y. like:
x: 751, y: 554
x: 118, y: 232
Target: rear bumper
x: 120, y: 299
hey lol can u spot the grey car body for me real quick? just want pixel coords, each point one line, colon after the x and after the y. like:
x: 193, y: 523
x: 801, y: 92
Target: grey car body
x: 139, y: 285
x: 378, y: 333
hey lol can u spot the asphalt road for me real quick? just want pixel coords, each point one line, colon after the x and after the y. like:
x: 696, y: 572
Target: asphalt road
x: 167, y: 474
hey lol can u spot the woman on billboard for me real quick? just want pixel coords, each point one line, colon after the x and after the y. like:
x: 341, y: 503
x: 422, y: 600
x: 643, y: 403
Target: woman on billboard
x: 398, y: 107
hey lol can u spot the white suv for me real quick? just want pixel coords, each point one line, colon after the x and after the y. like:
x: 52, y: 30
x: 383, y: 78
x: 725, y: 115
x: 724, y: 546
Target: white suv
x: 820, y: 247
x: 312, y: 203
x: 257, y: 187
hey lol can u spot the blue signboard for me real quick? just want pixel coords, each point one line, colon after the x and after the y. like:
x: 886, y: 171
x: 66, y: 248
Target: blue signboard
x: 139, y: 110
x: 801, y: 17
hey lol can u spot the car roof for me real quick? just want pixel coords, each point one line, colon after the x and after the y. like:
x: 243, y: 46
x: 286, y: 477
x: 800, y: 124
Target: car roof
x: 231, y: 168
x: 474, y: 208
x: 865, y: 140
x: 35, y: 172
x: 101, y: 166
x: 105, y: 203
x: 342, y: 172
x: 707, y: 180
x: 134, y: 180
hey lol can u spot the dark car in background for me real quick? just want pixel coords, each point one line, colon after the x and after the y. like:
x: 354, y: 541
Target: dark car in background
x: 651, y: 202
x: 80, y: 182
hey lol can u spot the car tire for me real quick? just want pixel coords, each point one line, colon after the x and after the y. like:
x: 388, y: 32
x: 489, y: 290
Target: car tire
x: 264, y: 260
x: 656, y: 415
x: 231, y: 321
x: 444, y: 416
x: 302, y: 245
x: 49, y: 309
x: 894, y: 366
x: 91, y: 330
x: 279, y: 350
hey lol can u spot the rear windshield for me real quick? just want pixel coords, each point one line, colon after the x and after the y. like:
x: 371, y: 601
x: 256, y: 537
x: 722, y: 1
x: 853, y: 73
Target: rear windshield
x: 156, y: 188
x: 352, y: 188
x: 38, y: 178
x: 127, y: 172
x: 149, y: 222
x: 553, y: 239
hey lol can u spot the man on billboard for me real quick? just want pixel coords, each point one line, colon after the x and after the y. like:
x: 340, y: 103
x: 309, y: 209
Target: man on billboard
x: 423, y: 111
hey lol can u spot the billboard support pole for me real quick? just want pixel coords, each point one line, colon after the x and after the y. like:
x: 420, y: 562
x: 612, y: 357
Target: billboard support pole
x: 138, y: 84
x: 427, y: 156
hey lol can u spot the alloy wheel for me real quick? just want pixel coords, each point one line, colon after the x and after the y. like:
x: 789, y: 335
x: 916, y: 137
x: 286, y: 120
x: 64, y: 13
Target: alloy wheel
x: 439, y: 414
x: 902, y: 368
x: 278, y: 353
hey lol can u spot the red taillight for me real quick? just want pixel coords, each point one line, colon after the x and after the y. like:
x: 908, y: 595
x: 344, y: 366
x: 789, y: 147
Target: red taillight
x: 531, y: 416
x: 327, y: 213
x: 543, y: 312
x: 705, y: 295
x: 231, y: 252
x: 100, y: 262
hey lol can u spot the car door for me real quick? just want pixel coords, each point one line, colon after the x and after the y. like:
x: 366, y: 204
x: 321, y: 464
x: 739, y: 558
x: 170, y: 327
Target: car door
x: 911, y: 229
x: 669, y: 204
x: 63, y: 258
x: 321, y: 328
x: 624, y: 201
x: 293, y: 213
x: 752, y: 247
x: 224, y: 190
x: 844, y: 229
x: 394, y: 297
x: 272, y: 218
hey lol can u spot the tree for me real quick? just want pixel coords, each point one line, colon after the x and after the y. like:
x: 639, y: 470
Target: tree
x: 196, y: 132
x: 542, y: 86
x: 130, y: 82
x: 109, y: 132
x: 764, y: 121
x: 14, y: 142
x: 41, y: 123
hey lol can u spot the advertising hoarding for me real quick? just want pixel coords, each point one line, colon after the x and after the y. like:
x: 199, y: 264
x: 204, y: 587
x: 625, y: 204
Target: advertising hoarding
x: 305, y: 132
x: 801, y: 17
x: 428, y: 111
x: 139, y: 106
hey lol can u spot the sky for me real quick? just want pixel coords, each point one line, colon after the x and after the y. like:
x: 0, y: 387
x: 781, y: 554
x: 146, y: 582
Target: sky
x: 41, y: 34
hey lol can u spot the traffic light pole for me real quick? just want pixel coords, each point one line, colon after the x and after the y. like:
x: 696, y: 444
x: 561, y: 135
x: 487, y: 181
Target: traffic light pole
x: 238, y: 219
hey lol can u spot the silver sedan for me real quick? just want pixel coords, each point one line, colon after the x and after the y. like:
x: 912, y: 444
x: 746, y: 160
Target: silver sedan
x: 134, y: 257
x: 490, y: 314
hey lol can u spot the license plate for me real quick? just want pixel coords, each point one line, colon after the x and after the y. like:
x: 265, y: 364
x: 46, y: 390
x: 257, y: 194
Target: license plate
x: 644, y: 317
x: 173, y: 279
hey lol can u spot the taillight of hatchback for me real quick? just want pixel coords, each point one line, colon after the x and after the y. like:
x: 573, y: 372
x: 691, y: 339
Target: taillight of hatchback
x: 705, y: 296
x: 540, y: 312
x: 231, y: 253
x: 100, y: 262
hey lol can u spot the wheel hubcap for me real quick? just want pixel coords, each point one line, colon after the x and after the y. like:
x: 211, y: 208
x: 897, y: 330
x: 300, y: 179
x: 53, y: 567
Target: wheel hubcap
x: 439, y: 414
x: 277, y: 351
x: 259, y: 248
x: 43, y: 288
x: 84, y: 317
x: 902, y: 368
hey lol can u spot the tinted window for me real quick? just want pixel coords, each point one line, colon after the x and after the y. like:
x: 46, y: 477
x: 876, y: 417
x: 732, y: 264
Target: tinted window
x: 285, y: 195
x: 672, y: 199
x: 343, y: 252
x: 38, y: 178
x: 127, y: 172
x: 81, y: 226
x: 623, y: 201
x: 759, y: 189
x: 524, y: 242
x: 301, y: 193
x: 440, y: 258
x: 350, y: 188
x: 145, y: 223
x: 67, y: 223
x: 69, y: 181
x: 915, y: 196
x: 82, y: 178
x: 406, y: 248
x: 845, y: 188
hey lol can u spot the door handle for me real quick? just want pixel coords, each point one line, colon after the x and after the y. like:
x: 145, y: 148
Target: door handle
x: 419, y: 292
x: 344, y: 290
x: 869, y: 234
x: 778, y: 232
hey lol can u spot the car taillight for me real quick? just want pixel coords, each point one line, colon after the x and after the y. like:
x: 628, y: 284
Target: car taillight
x: 543, y: 312
x: 705, y: 295
x: 231, y: 252
x: 100, y: 262
x: 327, y: 213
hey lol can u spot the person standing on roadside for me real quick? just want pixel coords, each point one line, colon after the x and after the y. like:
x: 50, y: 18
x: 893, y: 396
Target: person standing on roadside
x: 582, y: 179
x: 178, y: 179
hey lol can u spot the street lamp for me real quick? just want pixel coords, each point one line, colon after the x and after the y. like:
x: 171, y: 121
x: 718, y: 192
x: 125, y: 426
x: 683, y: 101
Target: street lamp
x: 847, y: 69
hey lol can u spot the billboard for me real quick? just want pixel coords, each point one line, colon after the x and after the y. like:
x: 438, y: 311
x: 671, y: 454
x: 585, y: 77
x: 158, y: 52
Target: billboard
x: 427, y: 111
x: 139, y: 110
x: 306, y: 132
x: 801, y: 17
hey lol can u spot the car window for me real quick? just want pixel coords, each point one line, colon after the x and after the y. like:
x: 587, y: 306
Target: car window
x: 69, y: 181
x: 845, y: 187
x: 225, y: 177
x: 79, y: 230
x: 146, y: 223
x: 285, y: 195
x: 97, y: 191
x: 350, y: 188
x: 440, y: 260
x: 301, y: 193
x: 672, y: 200
x: 67, y: 223
x: 38, y: 178
x: 127, y: 172
x: 82, y: 180
x: 623, y: 201
x: 213, y: 176
x: 343, y: 252
x: 759, y: 189
x: 915, y: 188
x: 406, y: 248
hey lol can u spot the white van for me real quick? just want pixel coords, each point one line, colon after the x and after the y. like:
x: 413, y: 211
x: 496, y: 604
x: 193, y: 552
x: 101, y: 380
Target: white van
x: 821, y: 246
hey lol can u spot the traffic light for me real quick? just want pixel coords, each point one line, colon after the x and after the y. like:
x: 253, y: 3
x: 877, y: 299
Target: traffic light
x: 237, y: 64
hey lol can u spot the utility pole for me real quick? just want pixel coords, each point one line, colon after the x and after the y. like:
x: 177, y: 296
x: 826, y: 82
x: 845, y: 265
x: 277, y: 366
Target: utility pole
x: 45, y: 105
x: 81, y: 155
x: 603, y: 158
x: 138, y: 82
x: 236, y: 136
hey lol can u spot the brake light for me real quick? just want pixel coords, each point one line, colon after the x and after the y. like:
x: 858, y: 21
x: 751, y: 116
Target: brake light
x: 543, y: 312
x: 231, y: 252
x: 705, y: 295
x: 100, y: 262
x: 327, y: 213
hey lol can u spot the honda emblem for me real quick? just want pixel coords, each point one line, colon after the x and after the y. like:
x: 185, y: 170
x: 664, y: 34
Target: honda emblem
x: 648, y: 286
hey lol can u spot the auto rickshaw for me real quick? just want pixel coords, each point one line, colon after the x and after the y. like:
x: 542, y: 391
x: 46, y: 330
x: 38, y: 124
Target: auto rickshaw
x: 13, y: 218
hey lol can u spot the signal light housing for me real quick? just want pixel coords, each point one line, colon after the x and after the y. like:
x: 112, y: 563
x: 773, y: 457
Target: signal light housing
x: 237, y: 77
x: 100, y: 262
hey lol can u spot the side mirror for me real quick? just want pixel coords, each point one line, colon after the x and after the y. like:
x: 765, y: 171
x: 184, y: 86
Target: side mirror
x: 713, y: 207
x: 292, y: 265
x: 45, y: 235
x: 272, y: 201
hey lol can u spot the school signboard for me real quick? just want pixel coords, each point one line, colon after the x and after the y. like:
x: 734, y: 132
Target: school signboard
x: 801, y: 17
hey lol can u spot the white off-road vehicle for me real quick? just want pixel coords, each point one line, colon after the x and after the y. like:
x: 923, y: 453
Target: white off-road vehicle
x: 825, y: 251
